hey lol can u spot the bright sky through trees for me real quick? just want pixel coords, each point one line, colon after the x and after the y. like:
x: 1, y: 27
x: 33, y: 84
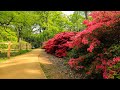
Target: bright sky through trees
x: 68, y: 12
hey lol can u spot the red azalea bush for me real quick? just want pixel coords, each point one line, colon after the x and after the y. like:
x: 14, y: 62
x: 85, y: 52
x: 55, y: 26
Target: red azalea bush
x: 103, y: 21
x: 92, y: 48
x: 101, y: 33
x: 56, y: 45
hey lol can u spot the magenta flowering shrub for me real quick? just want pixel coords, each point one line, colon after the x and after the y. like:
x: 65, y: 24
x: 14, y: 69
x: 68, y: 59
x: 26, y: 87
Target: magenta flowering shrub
x: 102, y: 59
x: 56, y: 45
x: 102, y: 22
x: 75, y: 63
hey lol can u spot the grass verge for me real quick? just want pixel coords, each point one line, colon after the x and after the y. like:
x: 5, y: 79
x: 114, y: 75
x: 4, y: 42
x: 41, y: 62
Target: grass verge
x: 3, y: 55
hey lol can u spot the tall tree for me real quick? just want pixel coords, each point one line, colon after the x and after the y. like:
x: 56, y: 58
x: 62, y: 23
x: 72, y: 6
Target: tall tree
x: 76, y: 20
x: 86, y: 14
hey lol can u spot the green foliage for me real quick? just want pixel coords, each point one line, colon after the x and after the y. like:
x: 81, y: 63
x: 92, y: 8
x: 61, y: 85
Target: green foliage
x: 22, y: 52
x: 115, y: 69
x: 5, y: 18
x: 76, y: 21
x: 50, y: 23
x: 6, y: 34
x: 3, y: 55
x: 117, y: 74
x: 76, y: 52
x: 3, y: 46
x: 23, y: 25
x: 115, y: 50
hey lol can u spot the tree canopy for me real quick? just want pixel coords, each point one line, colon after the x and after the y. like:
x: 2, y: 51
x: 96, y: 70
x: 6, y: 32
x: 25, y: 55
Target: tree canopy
x: 37, y: 26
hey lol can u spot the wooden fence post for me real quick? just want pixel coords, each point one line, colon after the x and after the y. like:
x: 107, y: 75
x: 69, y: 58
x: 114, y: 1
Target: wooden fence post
x: 9, y: 47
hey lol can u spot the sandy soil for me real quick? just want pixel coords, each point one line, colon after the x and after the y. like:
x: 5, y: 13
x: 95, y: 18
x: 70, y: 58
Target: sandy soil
x: 25, y: 66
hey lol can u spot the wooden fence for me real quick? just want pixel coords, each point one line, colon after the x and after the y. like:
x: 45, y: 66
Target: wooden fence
x: 26, y: 46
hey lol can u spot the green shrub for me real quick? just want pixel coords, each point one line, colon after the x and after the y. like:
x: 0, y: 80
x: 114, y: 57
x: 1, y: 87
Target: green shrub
x: 3, y: 46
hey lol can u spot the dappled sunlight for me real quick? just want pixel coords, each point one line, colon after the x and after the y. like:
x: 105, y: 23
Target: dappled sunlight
x: 23, y: 74
x: 22, y: 67
x: 17, y: 63
x: 32, y: 71
x: 43, y: 57
x: 44, y: 60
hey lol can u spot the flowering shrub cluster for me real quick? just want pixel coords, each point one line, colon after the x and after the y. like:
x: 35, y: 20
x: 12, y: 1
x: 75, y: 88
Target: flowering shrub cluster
x: 56, y: 45
x: 97, y: 47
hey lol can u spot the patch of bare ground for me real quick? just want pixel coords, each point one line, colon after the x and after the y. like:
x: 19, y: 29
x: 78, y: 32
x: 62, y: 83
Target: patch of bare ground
x: 56, y: 68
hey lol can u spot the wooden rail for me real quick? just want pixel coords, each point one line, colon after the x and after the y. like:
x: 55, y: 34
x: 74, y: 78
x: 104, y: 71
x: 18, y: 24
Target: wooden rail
x: 9, y: 47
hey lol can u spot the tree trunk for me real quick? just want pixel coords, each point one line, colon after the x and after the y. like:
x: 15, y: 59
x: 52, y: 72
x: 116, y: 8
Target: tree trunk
x: 86, y: 16
x: 19, y: 43
x: 19, y: 38
x: 9, y: 47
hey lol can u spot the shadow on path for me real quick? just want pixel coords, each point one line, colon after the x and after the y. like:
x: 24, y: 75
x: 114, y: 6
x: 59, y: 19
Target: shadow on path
x: 24, y: 66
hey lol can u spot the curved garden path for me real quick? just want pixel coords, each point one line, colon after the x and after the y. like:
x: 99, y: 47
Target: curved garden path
x: 26, y: 66
x: 36, y: 64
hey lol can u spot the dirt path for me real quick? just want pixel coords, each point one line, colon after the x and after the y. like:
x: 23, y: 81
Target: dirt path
x: 50, y: 69
x: 36, y: 64
x: 25, y: 66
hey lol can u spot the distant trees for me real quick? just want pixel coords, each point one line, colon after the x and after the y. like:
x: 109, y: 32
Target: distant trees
x: 39, y: 26
x: 76, y: 21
